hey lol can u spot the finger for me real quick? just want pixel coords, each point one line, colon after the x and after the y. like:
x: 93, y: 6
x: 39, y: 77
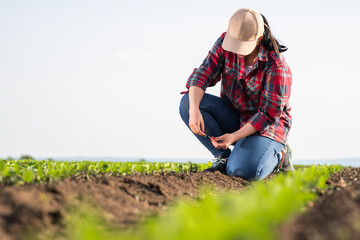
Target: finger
x: 222, y: 146
x: 215, y: 144
x: 202, y: 128
x: 197, y: 130
x: 220, y: 138
x: 216, y: 140
x: 193, y: 126
x: 201, y: 133
x: 193, y: 129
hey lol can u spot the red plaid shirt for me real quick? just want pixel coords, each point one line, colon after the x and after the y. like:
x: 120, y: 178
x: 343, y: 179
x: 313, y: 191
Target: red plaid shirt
x: 261, y: 96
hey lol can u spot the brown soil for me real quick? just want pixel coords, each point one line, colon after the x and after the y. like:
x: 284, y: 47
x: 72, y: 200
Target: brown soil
x: 124, y: 199
x: 335, y: 215
x: 128, y: 199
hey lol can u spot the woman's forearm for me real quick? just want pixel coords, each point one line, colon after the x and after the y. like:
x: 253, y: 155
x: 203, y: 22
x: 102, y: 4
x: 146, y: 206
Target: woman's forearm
x: 243, y: 132
x: 195, y: 96
x: 196, y: 121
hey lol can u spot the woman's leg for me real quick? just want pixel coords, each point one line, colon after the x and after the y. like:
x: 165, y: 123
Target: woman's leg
x: 219, y: 118
x: 254, y: 157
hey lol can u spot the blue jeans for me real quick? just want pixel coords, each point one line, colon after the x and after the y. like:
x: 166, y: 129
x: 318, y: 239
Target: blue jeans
x: 253, y: 157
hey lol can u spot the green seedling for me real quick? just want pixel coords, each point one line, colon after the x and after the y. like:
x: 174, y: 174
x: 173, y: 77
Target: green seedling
x: 33, y: 171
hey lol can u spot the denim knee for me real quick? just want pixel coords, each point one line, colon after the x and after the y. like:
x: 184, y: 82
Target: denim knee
x: 253, y: 157
x: 246, y: 170
x: 184, y: 106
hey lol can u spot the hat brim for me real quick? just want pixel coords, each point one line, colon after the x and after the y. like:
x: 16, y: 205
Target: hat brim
x: 237, y: 46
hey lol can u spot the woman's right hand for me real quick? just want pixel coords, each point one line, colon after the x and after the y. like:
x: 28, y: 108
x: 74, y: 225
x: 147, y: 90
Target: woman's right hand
x: 196, y: 122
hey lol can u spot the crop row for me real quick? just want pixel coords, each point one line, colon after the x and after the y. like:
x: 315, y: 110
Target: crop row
x: 33, y: 171
x: 253, y: 214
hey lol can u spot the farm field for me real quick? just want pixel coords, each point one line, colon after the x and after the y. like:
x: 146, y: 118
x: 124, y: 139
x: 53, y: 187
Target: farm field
x: 99, y: 200
x: 334, y: 215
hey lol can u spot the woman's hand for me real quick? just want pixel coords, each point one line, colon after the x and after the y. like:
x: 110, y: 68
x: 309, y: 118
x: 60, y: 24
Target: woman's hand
x: 224, y: 141
x: 196, y: 122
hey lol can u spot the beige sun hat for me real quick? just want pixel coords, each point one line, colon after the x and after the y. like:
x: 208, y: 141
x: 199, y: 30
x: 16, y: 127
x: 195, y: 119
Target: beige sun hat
x: 245, y: 28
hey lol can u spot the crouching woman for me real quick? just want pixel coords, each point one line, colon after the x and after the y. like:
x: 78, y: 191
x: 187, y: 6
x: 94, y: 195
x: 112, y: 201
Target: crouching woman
x: 253, y: 112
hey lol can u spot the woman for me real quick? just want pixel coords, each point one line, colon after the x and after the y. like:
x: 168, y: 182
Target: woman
x: 253, y: 112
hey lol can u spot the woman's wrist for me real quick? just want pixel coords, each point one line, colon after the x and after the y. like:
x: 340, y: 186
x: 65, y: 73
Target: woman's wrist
x: 234, y: 137
x: 243, y: 132
x: 193, y: 109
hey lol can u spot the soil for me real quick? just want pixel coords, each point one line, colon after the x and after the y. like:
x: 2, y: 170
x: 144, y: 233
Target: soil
x: 127, y: 200
x: 124, y: 199
x: 334, y: 215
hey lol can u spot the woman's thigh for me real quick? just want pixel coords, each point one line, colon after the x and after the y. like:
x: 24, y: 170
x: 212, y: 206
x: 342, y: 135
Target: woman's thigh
x: 254, y: 157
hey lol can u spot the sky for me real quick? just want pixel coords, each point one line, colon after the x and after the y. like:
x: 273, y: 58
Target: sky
x: 103, y: 78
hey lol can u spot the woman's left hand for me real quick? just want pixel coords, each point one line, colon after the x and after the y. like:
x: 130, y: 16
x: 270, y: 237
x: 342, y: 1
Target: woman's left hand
x: 224, y: 141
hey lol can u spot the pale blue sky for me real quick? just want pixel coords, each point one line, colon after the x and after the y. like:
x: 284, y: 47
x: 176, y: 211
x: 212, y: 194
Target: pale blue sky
x: 102, y: 78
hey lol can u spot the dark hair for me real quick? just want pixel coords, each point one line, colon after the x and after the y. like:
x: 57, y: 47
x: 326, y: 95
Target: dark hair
x: 268, y: 39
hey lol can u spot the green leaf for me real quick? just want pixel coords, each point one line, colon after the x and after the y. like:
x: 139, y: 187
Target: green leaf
x: 6, y: 172
x: 2, y: 165
x: 80, y: 166
x: 16, y: 168
x: 40, y: 172
x: 28, y: 176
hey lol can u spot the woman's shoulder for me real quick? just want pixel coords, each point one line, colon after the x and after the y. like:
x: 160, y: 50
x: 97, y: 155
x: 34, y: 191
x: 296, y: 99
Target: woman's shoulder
x: 217, y: 47
x: 222, y: 36
x: 277, y: 63
x: 277, y: 60
x: 220, y: 39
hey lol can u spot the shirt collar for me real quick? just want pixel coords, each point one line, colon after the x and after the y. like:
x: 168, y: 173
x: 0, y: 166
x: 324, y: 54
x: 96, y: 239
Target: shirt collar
x: 262, y: 55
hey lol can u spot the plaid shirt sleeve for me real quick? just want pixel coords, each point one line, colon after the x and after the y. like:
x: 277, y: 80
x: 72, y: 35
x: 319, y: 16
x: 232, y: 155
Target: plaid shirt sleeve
x: 209, y: 72
x: 274, y: 97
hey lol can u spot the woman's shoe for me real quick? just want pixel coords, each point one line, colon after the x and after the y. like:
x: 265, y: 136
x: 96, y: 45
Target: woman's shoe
x: 285, y: 163
x: 219, y: 164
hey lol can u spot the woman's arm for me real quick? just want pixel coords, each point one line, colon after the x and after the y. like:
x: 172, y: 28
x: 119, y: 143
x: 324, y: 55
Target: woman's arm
x: 209, y: 72
x: 224, y: 141
x: 196, y: 121
x: 274, y: 98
